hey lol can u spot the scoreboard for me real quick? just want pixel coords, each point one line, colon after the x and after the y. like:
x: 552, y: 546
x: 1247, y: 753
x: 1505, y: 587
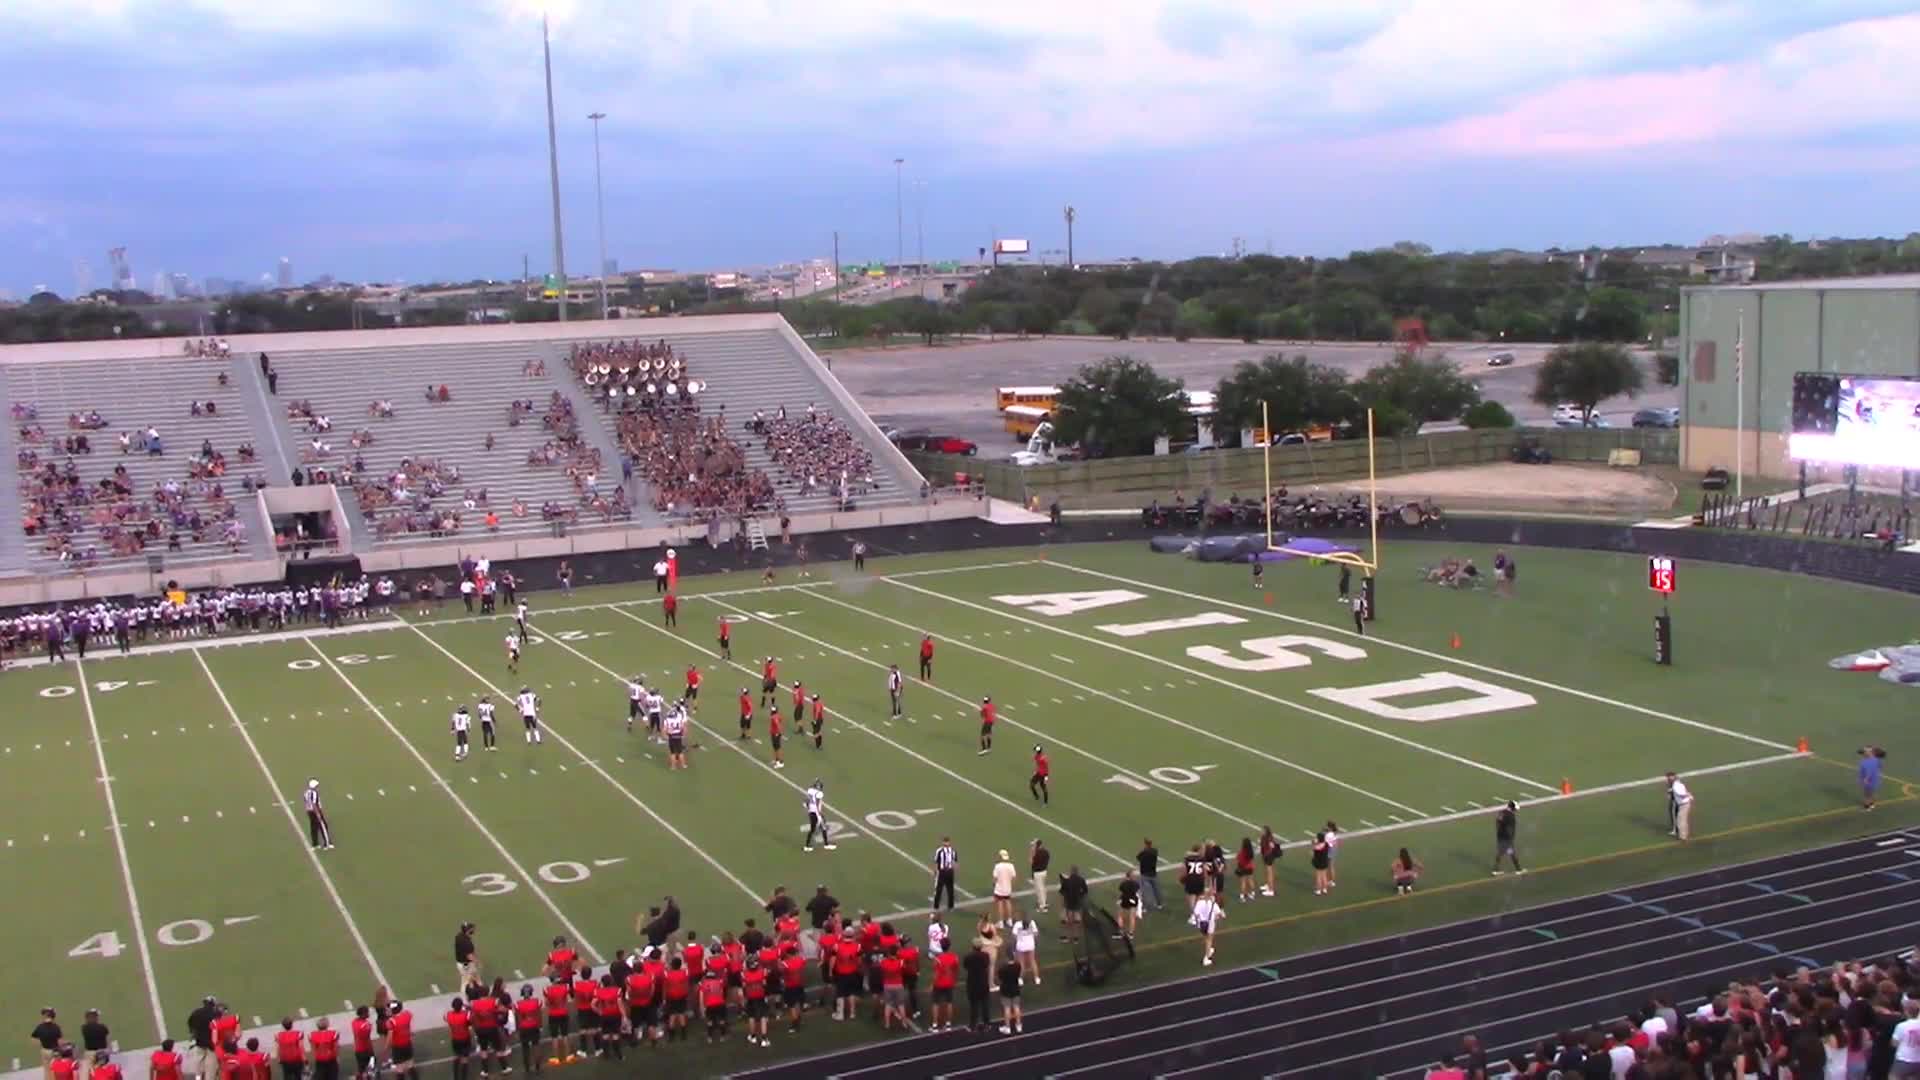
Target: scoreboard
x: 1660, y: 574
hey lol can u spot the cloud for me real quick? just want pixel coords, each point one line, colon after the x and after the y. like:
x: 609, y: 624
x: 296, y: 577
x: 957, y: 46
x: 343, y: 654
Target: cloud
x: 236, y: 121
x: 1825, y: 84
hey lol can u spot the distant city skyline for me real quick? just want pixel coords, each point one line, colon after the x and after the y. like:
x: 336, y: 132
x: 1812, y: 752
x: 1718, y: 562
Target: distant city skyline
x: 750, y: 133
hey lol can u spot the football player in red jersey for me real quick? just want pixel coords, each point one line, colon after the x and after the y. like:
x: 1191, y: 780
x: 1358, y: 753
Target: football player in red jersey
x: 926, y: 657
x: 460, y: 1036
x: 793, y: 986
x: 946, y: 973
x: 776, y: 731
x: 326, y: 1051
x: 693, y: 688
x: 165, y: 1062
x: 746, y: 714
x: 726, y: 638
x: 400, y: 1039
x: 486, y: 1010
x: 770, y: 683
x: 526, y: 1023
x: 559, y: 1000
x: 670, y: 609
x: 362, y: 1042
x: 819, y: 721
x: 606, y: 1002
x: 674, y: 987
x: 560, y: 960
x: 987, y: 717
x: 643, y: 1009
x: 1041, y: 770
x: 290, y: 1049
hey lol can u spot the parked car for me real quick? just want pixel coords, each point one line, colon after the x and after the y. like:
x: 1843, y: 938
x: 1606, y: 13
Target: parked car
x: 1500, y: 359
x: 1661, y: 418
x: 1594, y: 421
x: 937, y: 444
x: 1566, y: 411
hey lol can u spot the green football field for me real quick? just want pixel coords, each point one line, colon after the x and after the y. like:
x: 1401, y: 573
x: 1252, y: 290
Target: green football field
x: 156, y: 849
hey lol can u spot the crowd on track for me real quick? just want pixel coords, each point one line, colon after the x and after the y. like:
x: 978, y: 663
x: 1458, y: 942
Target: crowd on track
x: 1855, y: 1021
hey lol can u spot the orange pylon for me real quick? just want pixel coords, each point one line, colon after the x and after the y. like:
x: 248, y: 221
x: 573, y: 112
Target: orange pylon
x: 1455, y: 641
x: 1801, y: 746
x: 1566, y: 786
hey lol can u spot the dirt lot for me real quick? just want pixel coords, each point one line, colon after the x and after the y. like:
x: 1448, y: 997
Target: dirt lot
x: 1565, y: 488
x: 949, y: 388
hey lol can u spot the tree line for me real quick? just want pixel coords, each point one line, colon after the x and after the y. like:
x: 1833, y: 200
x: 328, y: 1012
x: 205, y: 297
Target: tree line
x: 1558, y: 296
x: 1121, y: 405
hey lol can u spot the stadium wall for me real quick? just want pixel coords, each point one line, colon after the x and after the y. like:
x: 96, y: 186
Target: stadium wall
x: 1854, y: 325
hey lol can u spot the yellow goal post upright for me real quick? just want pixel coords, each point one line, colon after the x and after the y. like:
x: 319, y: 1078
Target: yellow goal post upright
x: 1369, y: 563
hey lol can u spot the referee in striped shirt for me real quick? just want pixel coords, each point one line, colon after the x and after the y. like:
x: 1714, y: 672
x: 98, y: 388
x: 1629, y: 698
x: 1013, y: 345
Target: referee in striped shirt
x: 945, y: 862
x: 317, y: 828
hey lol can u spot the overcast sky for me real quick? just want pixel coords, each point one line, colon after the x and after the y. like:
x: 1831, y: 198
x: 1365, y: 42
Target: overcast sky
x: 400, y: 139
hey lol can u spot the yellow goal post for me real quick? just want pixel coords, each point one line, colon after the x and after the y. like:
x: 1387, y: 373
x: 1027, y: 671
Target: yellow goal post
x: 1370, y: 563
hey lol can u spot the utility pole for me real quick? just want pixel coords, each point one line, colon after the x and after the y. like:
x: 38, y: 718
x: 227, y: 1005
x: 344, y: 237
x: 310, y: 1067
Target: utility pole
x: 836, y: 266
x: 1070, y: 263
x: 899, y: 217
x: 600, y: 205
x: 920, y: 232
x: 553, y: 175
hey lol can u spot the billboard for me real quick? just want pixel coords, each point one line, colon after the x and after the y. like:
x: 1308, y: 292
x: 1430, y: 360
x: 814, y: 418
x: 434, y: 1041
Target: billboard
x: 1856, y: 420
x: 1009, y: 247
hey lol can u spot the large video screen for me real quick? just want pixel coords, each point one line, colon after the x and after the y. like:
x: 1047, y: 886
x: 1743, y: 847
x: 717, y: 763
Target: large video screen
x: 1856, y: 420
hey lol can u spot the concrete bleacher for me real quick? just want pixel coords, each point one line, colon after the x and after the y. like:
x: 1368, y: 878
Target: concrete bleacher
x: 483, y: 378
x: 131, y: 394
x: 760, y: 369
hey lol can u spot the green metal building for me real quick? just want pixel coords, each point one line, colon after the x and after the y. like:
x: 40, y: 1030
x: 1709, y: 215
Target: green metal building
x: 1768, y: 331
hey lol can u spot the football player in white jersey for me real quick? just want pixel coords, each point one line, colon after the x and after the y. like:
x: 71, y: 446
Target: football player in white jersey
x: 636, y: 698
x: 520, y: 618
x: 486, y: 724
x: 893, y: 688
x: 656, y: 704
x: 460, y: 725
x: 675, y: 725
x: 513, y: 652
x: 529, y: 703
x: 815, y: 798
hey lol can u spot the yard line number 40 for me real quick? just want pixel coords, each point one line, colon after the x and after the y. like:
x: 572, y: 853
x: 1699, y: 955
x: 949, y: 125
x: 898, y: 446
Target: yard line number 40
x: 1284, y: 652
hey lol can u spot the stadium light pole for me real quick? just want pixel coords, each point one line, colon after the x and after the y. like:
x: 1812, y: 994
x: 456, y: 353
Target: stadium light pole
x: 600, y: 206
x: 899, y: 217
x: 553, y: 173
x: 920, y: 232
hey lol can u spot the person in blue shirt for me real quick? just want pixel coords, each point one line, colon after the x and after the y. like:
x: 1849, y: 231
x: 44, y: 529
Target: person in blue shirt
x: 1870, y: 762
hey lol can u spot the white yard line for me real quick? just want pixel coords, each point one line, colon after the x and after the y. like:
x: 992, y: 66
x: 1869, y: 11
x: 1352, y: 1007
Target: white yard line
x: 479, y: 826
x: 300, y: 837
x: 604, y: 775
x: 1431, y: 655
x: 929, y: 762
x: 1579, y: 793
x: 1124, y: 702
x: 120, y: 849
x: 1230, y: 684
x: 734, y: 744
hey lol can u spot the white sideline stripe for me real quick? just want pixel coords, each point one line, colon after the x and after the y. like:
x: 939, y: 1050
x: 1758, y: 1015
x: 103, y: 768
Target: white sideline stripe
x: 105, y: 780
x: 1242, y: 747
x: 604, y: 775
x: 1275, y: 698
x: 1429, y: 654
x: 916, y: 755
x: 532, y: 882
x: 734, y: 744
x: 286, y: 807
